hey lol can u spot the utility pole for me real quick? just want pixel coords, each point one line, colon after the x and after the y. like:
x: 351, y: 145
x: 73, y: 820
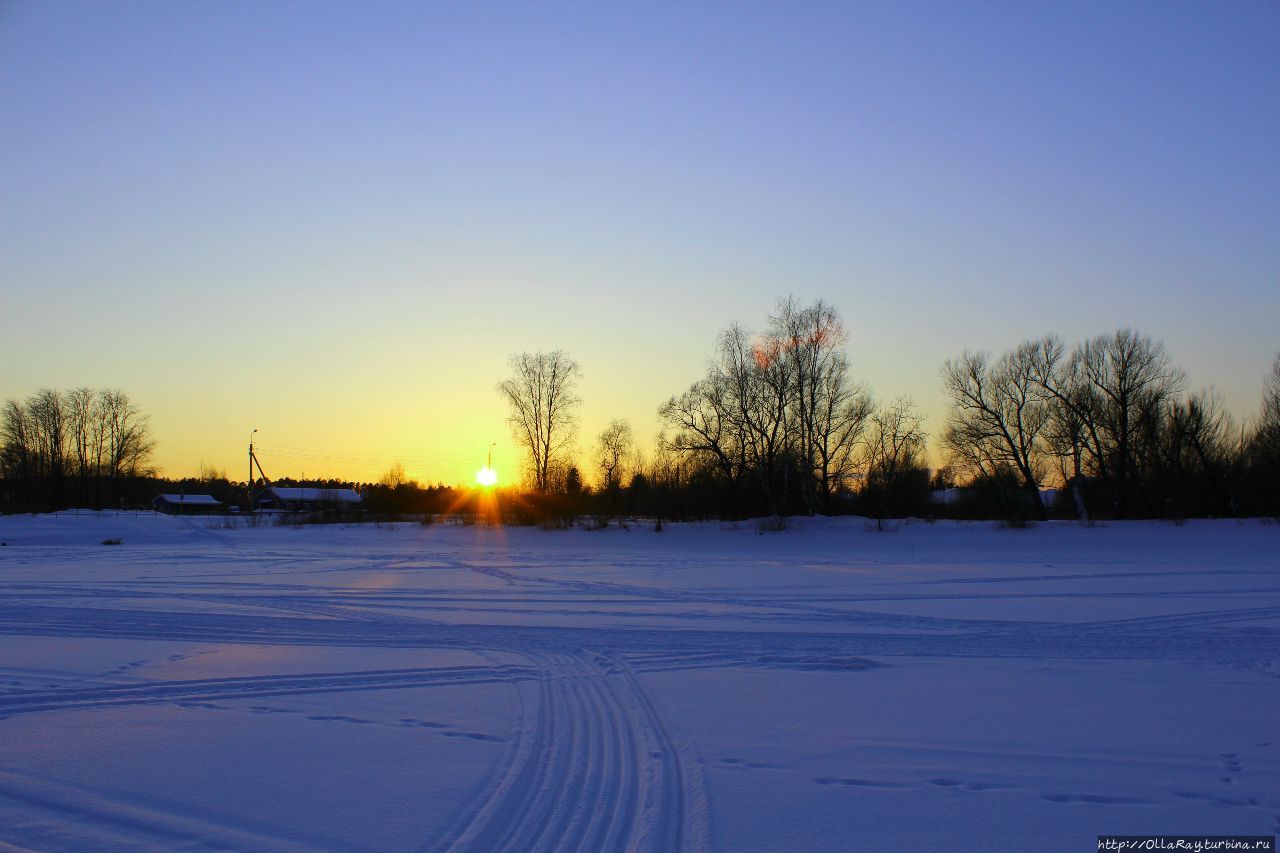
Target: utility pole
x: 249, y: 482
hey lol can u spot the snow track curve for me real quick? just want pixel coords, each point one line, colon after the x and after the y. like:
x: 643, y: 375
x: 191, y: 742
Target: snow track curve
x: 597, y: 769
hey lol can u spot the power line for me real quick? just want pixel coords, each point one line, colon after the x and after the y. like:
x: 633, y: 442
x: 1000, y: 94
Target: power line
x: 346, y: 456
x: 363, y: 465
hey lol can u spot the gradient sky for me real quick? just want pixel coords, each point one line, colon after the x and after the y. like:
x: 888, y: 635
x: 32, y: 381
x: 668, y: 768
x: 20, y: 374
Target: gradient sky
x: 334, y: 221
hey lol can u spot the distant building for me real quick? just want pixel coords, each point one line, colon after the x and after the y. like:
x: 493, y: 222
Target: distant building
x: 954, y: 495
x: 186, y: 504
x: 281, y: 498
x: 946, y: 497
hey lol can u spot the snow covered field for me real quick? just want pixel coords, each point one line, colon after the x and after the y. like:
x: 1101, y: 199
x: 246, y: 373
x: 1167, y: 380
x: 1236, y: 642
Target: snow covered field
x: 942, y: 686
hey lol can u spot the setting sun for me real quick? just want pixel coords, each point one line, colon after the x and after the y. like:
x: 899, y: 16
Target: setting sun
x: 486, y: 476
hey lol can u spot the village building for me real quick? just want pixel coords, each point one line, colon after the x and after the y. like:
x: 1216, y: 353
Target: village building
x: 187, y: 504
x: 289, y: 499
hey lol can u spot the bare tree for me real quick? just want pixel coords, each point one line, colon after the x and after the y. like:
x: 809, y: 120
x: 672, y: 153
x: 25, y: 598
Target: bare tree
x: 1190, y: 452
x: 840, y: 424
x: 894, y: 456
x: 735, y: 417
x: 17, y: 443
x: 1123, y: 374
x: 1100, y: 393
x: 762, y: 389
x: 47, y: 414
x: 775, y: 410
x: 541, y: 394
x: 208, y: 474
x: 1259, y: 457
x: 704, y: 425
x: 997, y: 417
x: 615, y: 451
x: 127, y: 438
x: 47, y: 410
x: 1072, y: 434
x: 93, y: 435
x: 828, y: 412
x: 82, y: 423
x: 1267, y: 434
x: 395, y: 477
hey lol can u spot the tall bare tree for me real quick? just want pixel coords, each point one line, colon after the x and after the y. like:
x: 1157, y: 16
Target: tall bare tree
x: 1101, y: 394
x: 704, y: 426
x: 17, y: 443
x: 1267, y: 432
x: 998, y: 415
x: 1123, y: 374
x: 541, y: 395
x: 775, y: 411
x: 840, y: 425
x: 736, y: 418
x: 47, y: 410
x: 82, y: 423
x: 828, y: 412
x: 762, y: 389
x: 97, y: 436
x: 127, y: 443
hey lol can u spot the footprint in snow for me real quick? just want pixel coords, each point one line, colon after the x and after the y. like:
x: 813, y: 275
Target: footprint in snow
x: 1238, y: 802
x: 339, y: 718
x: 1231, y: 765
x: 857, y: 783
x: 187, y: 656
x: 426, y: 724
x: 475, y: 736
x: 967, y: 786
x: 1095, y: 799
x: 752, y: 765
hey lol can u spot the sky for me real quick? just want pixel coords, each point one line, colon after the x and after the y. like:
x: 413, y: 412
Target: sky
x: 334, y: 222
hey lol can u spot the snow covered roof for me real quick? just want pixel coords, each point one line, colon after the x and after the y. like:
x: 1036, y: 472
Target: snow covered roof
x: 197, y: 500
x: 316, y: 495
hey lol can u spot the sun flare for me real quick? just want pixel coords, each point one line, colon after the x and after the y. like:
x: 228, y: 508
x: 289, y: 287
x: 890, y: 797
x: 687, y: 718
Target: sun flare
x: 486, y: 476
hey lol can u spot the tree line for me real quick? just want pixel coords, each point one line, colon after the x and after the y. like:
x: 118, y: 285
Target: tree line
x: 85, y: 447
x: 1109, y: 419
x: 777, y: 426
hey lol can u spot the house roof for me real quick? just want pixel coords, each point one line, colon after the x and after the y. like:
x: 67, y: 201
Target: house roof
x: 315, y: 495
x: 195, y: 500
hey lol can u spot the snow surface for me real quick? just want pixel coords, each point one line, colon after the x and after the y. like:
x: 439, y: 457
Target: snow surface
x: 940, y: 686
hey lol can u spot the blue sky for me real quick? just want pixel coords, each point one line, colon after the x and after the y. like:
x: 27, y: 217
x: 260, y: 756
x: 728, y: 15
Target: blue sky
x: 334, y: 221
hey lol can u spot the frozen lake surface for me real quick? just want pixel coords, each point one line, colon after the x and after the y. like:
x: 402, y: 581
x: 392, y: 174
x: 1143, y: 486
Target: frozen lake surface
x: 940, y: 686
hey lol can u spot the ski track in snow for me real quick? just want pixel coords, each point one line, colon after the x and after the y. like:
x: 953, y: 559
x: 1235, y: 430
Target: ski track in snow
x: 592, y: 762
x: 598, y: 771
x: 1174, y: 637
